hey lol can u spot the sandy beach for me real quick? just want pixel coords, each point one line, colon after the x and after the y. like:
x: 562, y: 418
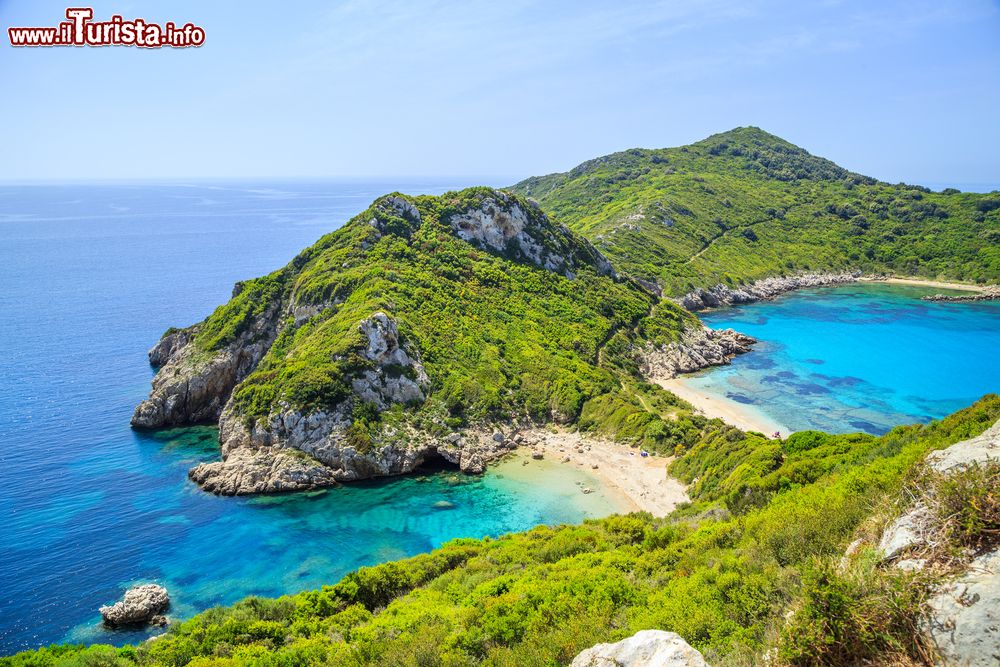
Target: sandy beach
x: 641, y: 483
x: 919, y: 282
x: 737, y: 414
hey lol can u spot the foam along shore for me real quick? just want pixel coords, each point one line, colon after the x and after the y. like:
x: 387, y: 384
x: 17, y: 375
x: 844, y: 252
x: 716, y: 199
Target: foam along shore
x: 744, y: 417
x: 639, y: 482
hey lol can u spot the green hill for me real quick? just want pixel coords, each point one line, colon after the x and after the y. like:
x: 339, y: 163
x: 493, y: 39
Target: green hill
x: 424, y: 319
x: 394, y: 338
x: 745, y: 204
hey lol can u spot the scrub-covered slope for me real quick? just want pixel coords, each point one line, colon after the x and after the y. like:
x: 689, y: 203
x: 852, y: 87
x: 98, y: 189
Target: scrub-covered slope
x: 753, y: 573
x: 745, y: 204
x: 379, y: 346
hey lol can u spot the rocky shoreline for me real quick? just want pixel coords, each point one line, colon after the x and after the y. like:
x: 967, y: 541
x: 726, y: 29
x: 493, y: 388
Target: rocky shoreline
x: 698, y: 348
x: 767, y: 288
x: 988, y: 294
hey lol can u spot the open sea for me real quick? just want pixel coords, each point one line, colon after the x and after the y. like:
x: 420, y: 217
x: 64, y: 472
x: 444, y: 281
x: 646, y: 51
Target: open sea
x: 90, y: 276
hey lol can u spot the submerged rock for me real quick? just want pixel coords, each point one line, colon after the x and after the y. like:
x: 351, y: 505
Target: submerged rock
x: 140, y: 605
x: 649, y: 648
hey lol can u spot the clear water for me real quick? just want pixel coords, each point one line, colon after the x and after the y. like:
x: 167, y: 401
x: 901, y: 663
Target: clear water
x: 90, y: 276
x: 863, y: 357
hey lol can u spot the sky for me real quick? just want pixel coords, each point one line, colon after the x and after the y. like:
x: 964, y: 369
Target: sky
x: 903, y: 91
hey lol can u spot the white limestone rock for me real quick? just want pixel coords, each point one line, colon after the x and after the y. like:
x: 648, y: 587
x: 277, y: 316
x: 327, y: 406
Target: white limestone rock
x: 648, y: 648
x: 140, y: 605
x: 964, y: 618
x: 767, y: 288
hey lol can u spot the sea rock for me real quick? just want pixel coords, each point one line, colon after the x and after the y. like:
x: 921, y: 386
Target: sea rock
x: 537, y: 455
x: 648, y: 648
x: 964, y: 618
x: 760, y: 290
x: 698, y: 347
x: 991, y: 293
x: 140, y: 605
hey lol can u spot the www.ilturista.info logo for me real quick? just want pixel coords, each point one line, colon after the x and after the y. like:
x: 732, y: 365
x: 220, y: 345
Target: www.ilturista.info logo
x: 80, y: 30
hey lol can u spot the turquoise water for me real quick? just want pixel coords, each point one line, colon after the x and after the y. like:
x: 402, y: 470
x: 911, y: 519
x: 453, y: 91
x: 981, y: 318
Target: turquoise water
x: 862, y: 357
x: 91, y: 276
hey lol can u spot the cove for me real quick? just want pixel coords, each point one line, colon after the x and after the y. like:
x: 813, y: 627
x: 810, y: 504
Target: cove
x: 860, y: 357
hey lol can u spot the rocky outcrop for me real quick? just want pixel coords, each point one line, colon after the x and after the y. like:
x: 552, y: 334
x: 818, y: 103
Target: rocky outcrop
x: 760, y: 290
x: 503, y: 225
x: 983, y: 448
x: 964, y: 616
x: 699, y: 347
x: 648, y: 648
x: 140, y: 605
x: 192, y: 386
x: 991, y: 293
x: 395, y: 375
x: 268, y: 470
x: 291, y: 450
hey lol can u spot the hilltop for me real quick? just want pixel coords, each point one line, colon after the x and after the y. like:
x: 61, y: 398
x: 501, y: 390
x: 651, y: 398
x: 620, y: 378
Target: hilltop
x: 743, y: 205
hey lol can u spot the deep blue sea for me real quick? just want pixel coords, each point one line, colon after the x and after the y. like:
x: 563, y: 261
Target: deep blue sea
x: 90, y: 276
x: 861, y: 357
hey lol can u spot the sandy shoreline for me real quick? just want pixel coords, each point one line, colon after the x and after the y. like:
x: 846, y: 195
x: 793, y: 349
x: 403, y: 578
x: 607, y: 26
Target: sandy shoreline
x: 736, y: 414
x: 640, y: 483
x: 920, y: 282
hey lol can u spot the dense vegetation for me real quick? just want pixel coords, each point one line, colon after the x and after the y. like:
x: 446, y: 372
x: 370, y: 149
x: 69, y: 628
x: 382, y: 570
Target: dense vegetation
x: 497, y: 334
x: 764, y: 535
x: 745, y: 204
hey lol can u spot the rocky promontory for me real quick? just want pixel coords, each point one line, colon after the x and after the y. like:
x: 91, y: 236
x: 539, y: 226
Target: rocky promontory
x: 314, y: 373
x: 760, y: 290
x: 698, y: 348
x: 991, y: 293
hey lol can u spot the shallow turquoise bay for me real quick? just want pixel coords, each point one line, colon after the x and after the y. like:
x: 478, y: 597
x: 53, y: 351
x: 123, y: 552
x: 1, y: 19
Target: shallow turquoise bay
x: 861, y: 357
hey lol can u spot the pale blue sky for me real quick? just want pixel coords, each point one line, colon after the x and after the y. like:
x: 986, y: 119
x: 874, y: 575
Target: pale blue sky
x: 906, y: 90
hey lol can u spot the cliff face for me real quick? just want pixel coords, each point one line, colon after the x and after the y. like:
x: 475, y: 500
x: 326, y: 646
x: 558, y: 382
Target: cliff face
x: 192, y: 387
x: 314, y: 378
